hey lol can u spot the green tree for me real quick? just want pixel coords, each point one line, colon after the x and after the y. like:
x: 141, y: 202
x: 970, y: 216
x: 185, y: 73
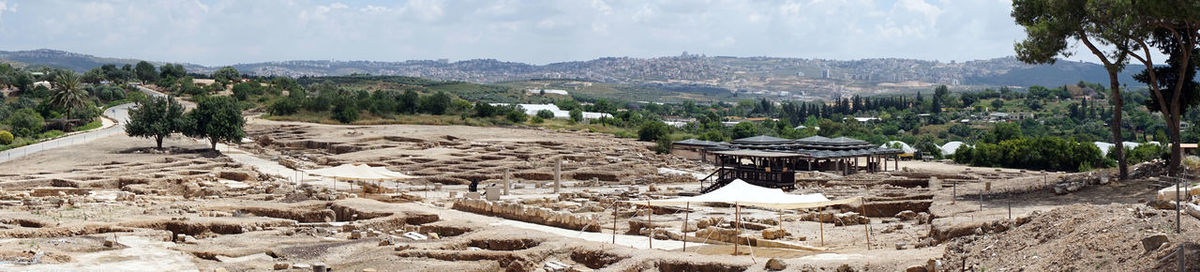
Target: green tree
x: 67, y: 94
x: 408, y: 102
x: 26, y: 122
x: 653, y: 130
x: 997, y: 104
x: 747, y: 129
x: 23, y: 81
x: 284, y: 106
x: 545, y: 114
x: 1176, y: 33
x: 345, y: 111
x: 484, y: 110
x: 663, y: 146
x: 244, y: 90
x: 156, y: 118
x: 172, y: 71
x: 218, y: 118
x: 1113, y: 30
x: 939, y: 96
x: 146, y: 72
x: 576, y: 115
x: 435, y: 104
x: 226, y: 74
x: 516, y: 115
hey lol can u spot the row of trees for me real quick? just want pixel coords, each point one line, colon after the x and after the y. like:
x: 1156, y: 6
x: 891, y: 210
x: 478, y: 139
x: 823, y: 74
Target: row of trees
x: 1037, y: 153
x: 217, y: 118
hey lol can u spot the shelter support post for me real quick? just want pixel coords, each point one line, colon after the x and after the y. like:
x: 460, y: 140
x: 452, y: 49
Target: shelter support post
x: 506, y: 183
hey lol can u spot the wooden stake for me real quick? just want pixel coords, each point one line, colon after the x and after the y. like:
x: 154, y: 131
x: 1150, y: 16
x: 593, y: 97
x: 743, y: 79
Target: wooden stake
x: 821, y: 219
x: 780, y: 218
x: 614, y: 223
x: 737, y: 226
x: 686, y: 210
x: 867, y: 226
x: 650, y: 224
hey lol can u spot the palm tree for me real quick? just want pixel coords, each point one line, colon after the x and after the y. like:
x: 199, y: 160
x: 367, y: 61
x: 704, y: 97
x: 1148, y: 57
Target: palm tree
x: 67, y: 94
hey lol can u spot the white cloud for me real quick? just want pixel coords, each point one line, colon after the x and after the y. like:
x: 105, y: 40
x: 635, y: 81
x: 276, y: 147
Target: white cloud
x: 228, y: 31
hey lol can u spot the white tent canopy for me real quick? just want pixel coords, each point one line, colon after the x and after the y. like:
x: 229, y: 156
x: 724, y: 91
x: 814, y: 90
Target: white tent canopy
x: 743, y: 193
x: 358, y: 172
x: 908, y: 149
x: 952, y: 147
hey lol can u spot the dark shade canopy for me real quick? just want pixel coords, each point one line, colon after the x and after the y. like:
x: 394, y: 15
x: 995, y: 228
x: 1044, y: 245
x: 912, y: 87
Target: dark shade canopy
x: 696, y: 142
x: 761, y: 140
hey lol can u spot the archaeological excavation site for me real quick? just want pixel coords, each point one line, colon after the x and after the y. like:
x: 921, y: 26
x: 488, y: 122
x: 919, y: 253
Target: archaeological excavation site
x: 312, y: 197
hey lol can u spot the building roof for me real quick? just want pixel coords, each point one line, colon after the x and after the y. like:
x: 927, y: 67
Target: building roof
x: 757, y: 153
x: 697, y: 142
x: 761, y: 140
x: 810, y: 153
x: 813, y: 139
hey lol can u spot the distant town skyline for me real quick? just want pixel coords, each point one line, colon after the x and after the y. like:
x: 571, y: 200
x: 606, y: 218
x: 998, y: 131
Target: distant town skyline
x: 221, y: 32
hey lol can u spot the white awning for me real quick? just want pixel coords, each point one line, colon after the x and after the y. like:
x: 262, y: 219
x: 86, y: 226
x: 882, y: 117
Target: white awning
x: 358, y: 172
x: 742, y: 193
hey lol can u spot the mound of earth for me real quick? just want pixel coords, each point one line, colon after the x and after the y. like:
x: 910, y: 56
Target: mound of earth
x: 1081, y: 238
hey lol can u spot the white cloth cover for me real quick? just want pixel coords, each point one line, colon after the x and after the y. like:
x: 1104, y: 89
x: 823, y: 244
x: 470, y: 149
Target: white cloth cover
x: 742, y: 193
x: 358, y: 172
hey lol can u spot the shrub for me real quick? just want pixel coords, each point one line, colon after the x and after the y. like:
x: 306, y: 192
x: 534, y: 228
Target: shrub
x: 545, y: 114
x: 576, y: 115
x: 6, y: 137
x: 537, y: 120
x: 484, y: 110
x: 663, y: 147
x: 345, y: 111
x: 1040, y: 153
x: 50, y: 134
x: 26, y: 122
x: 516, y: 116
x: 285, y: 106
x: 652, y: 131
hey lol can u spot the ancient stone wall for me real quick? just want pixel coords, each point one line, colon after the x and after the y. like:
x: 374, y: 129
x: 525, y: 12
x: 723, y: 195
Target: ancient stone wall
x: 524, y: 213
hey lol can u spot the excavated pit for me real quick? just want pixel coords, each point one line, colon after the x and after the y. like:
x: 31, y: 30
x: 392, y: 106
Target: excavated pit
x: 595, y: 259
x: 505, y: 244
x: 444, y: 231
x: 683, y: 266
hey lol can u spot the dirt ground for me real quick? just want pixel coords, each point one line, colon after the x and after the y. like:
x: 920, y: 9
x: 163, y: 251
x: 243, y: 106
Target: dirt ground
x: 116, y: 203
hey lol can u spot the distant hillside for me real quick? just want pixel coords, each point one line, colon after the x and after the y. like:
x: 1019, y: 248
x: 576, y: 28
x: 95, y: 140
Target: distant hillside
x: 74, y: 61
x: 790, y: 78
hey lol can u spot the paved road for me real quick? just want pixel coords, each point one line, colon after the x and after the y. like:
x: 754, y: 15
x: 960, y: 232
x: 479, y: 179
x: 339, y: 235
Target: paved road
x: 119, y: 114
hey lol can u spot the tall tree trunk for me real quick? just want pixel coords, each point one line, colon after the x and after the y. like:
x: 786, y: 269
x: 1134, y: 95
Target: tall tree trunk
x: 1118, y: 105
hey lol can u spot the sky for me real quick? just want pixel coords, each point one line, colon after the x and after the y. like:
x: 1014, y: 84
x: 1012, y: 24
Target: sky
x: 221, y: 32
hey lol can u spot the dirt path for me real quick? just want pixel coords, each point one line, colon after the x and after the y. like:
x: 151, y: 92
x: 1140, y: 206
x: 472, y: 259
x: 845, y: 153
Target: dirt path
x: 139, y: 254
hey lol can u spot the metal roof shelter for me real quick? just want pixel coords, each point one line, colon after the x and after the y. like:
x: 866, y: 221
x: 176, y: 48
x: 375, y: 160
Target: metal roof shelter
x: 696, y: 142
x: 771, y: 161
x: 763, y: 142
